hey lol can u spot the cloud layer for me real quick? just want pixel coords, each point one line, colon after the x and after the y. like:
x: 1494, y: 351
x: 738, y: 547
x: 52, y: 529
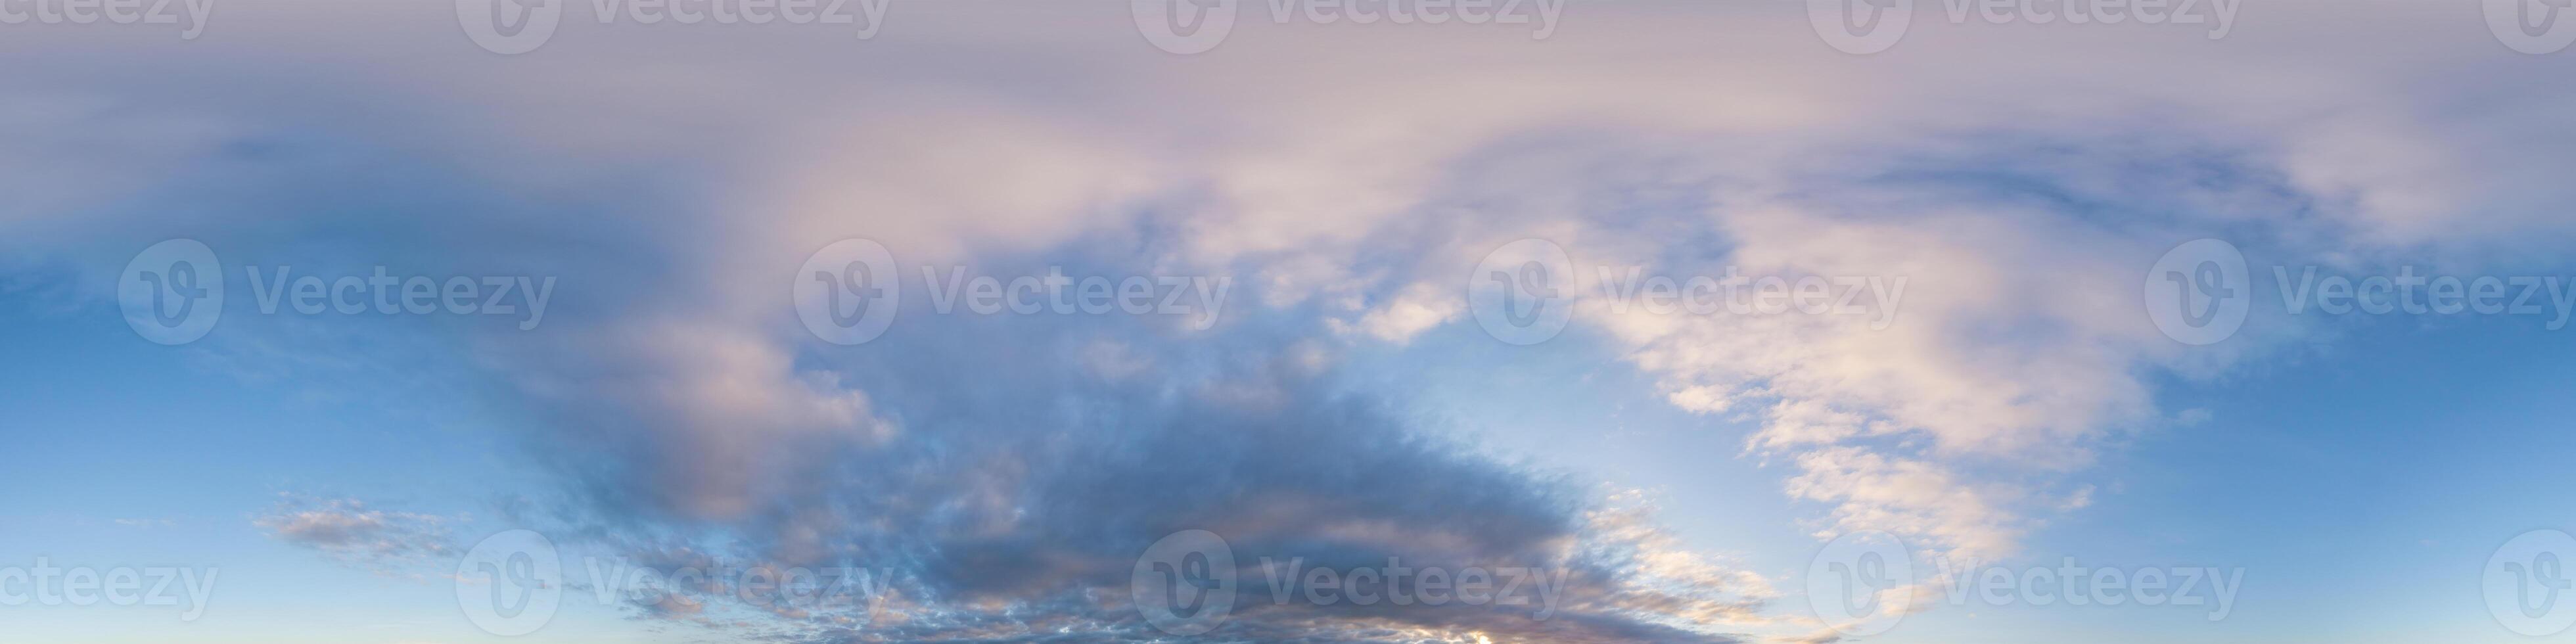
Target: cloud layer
x: 1012, y: 467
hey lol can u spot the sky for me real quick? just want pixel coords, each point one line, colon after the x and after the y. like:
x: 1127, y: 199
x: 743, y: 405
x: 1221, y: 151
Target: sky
x: 408, y: 321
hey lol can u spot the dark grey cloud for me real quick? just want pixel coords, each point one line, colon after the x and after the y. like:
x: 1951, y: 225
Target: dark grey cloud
x: 1009, y: 470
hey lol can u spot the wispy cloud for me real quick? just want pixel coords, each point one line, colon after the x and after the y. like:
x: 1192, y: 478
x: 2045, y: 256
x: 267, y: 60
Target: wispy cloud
x: 350, y: 532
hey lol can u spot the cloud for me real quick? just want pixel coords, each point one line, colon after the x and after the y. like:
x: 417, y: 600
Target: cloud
x: 347, y: 531
x: 1013, y: 466
x: 1017, y: 506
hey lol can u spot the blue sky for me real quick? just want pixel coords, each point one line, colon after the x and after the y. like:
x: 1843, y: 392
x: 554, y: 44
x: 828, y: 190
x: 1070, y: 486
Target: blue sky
x: 2347, y: 478
x: 1382, y: 318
